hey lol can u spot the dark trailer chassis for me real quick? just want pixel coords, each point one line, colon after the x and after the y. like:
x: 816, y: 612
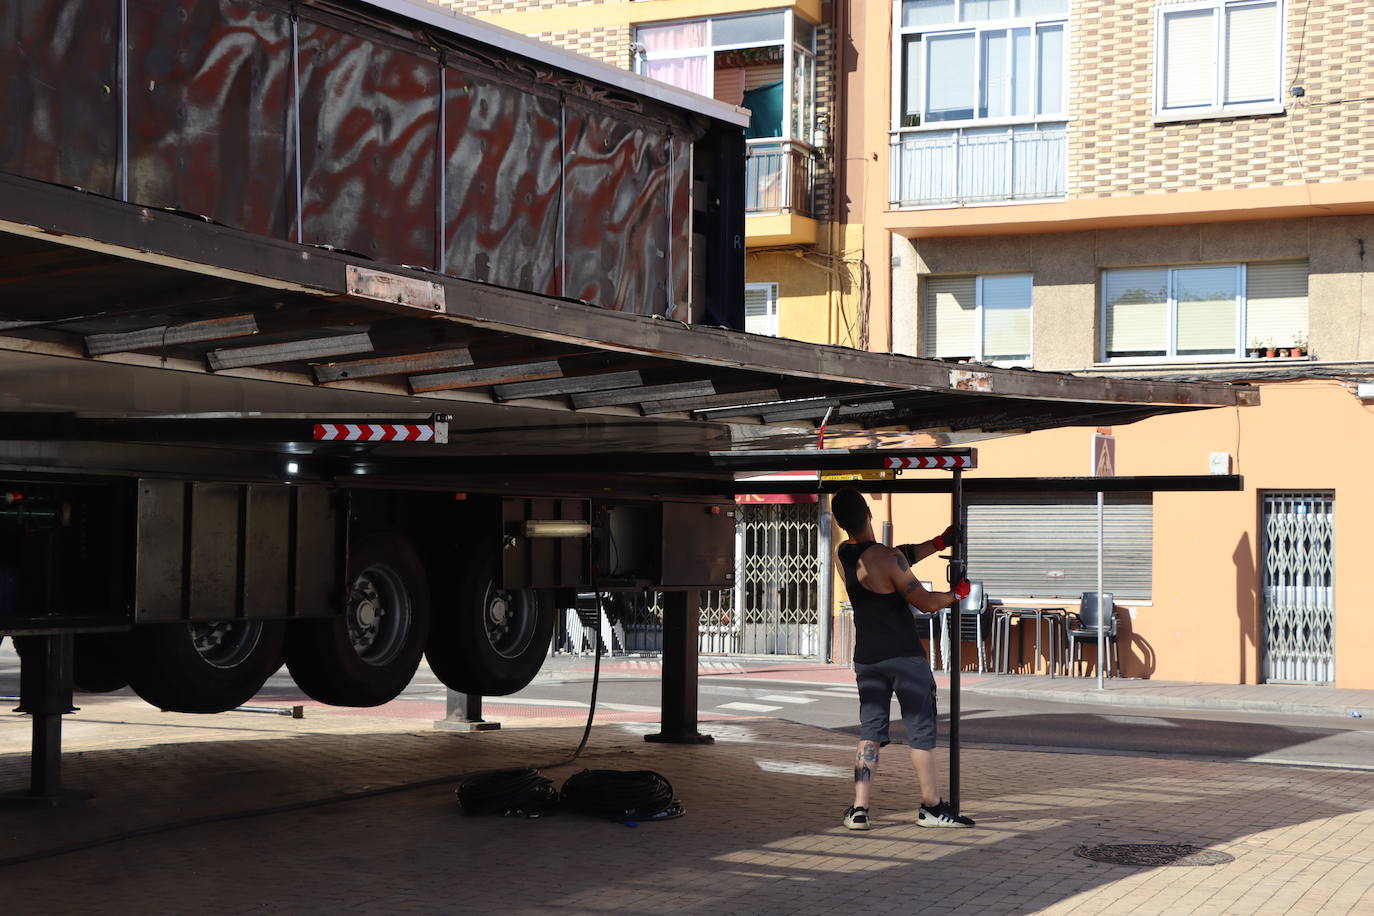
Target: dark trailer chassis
x: 182, y: 306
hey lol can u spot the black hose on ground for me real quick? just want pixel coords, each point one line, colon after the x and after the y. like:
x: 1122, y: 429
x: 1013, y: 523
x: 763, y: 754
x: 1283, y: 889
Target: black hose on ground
x: 624, y: 796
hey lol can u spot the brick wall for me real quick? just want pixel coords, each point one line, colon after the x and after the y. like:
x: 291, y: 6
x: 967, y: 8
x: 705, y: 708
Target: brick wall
x: 1115, y: 147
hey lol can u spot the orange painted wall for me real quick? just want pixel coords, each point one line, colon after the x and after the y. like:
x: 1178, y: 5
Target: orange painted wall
x: 1203, y: 621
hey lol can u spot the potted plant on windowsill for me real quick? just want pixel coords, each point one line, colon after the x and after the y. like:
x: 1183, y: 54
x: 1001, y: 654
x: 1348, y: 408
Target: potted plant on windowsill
x: 1269, y: 349
x: 1255, y: 348
x: 1299, y: 347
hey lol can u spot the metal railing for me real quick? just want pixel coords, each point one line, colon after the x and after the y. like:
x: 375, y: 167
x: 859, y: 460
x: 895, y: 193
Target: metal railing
x: 979, y: 165
x: 780, y: 177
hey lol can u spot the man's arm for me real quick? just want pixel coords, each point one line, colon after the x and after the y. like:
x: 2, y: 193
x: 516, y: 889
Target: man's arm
x: 915, y: 553
x: 905, y: 583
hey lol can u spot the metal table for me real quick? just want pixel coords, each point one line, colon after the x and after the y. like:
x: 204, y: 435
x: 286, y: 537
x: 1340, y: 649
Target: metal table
x: 1051, y: 616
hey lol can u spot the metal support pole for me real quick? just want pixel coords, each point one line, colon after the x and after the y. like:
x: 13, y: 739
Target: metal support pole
x: 464, y: 714
x: 1101, y: 641
x: 45, y: 693
x: 958, y: 568
x: 825, y: 585
x: 681, y: 614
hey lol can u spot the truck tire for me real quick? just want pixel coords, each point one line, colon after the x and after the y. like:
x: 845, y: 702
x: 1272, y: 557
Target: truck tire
x: 489, y: 641
x: 368, y: 654
x: 203, y: 667
x: 98, y: 662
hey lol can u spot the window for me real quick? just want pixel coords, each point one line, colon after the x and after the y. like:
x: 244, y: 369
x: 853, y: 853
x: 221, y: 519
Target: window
x: 1218, y: 58
x: 761, y: 308
x: 980, y: 318
x: 747, y: 60
x: 1045, y: 545
x: 1203, y: 312
x: 980, y: 61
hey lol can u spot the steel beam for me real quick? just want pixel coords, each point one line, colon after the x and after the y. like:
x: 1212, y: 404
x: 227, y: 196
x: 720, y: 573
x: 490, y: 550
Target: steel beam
x: 229, y: 328
x: 487, y: 375
x: 681, y: 617
x: 290, y: 351
x: 642, y: 394
x: 404, y: 364
x: 558, y: 387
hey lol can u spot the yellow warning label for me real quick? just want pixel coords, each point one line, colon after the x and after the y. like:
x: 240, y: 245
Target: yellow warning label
x: 879, y: 474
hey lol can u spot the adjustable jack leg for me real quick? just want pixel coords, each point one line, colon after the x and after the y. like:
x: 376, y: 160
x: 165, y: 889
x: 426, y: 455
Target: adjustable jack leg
x: 45, y: 693
x: 465, y: 714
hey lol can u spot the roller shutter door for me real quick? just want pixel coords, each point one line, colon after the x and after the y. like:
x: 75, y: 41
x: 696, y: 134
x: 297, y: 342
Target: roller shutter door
x: 1045, y: 546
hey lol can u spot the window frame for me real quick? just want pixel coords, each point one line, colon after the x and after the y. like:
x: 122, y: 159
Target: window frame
x: 901, y: 34
x: 1220, y: 109
x: 791, y: 47
x: 774, y: 307
x: 981, y: 321
x: 1171, y: 304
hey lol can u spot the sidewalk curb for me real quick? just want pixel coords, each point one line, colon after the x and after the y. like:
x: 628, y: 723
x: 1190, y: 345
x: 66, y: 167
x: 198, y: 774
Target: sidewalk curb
x: 1111, y: 698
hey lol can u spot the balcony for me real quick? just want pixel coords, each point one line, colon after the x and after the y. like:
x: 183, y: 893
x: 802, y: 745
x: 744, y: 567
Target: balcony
x: 779, y: 194
x: 979, y: 165
x: 780, y: 177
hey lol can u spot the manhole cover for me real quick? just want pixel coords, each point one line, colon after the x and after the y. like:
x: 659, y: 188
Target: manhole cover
x: 1150, y: 855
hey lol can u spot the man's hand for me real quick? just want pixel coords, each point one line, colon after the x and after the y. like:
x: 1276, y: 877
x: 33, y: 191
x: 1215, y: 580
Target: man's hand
x: 947, y: 538
x: 962, y: 588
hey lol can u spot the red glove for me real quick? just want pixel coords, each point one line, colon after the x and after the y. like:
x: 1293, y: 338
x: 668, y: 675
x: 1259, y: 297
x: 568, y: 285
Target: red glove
x: 946, y: 538
x: 962, y: 588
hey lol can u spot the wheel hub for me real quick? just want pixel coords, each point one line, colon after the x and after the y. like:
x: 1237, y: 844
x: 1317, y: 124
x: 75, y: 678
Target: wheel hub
x: 378, y: 615
x: 510, y: 619
x: 225, y: 643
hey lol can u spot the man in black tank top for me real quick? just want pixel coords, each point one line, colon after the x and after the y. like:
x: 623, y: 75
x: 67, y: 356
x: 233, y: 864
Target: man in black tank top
x: 888, y: 658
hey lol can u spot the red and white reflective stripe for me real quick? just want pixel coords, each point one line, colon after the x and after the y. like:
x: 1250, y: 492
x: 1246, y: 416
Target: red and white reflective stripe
x: 930, y: 462
x: 374, y: 432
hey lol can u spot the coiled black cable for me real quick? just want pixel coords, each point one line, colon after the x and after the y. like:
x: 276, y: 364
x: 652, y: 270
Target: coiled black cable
x: 515, y: 792
x: 622, y: 795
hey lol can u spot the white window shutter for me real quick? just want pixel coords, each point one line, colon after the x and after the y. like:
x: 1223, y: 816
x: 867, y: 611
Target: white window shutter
x: 1276, y: 303
x: 951, y: 320
x: 1206, y: 299
x: 1137, y: 311
x: 1190, y: 59
x: 1007, y: 317
x: 761, y: 308
x: 1252, y: 54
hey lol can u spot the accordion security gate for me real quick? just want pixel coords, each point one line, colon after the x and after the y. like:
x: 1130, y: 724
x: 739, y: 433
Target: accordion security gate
x: 1298, y: 611
x: 772, y: 610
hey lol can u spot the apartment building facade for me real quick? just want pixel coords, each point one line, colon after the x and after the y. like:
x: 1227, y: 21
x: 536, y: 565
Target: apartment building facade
x: 1171, y: 189
x: 774, y: 57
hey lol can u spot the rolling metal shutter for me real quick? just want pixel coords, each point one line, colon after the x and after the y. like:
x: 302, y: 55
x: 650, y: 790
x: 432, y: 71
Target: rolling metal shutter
x: 1045, y: 546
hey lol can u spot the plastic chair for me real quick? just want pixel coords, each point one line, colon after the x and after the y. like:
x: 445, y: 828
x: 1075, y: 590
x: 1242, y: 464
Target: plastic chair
x: 1086, y: 630
x: 975, y: 625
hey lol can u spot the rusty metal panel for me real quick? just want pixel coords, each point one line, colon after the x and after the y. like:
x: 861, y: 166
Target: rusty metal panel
x: 680, y: 229
x: 160, y: 556
x: 213, y: 585
x: 369, y: 132
x: 209, y: 111
x: 317, y: 567
x: 267, y: 551
x: 59, y: 91
x: 616, y: 202
x: 502, y: 164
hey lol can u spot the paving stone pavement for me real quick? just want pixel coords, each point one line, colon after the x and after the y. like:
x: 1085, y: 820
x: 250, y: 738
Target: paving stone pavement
x: 761, y: 834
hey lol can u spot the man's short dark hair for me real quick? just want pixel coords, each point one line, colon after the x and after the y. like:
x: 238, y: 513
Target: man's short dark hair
x: 850, y: 509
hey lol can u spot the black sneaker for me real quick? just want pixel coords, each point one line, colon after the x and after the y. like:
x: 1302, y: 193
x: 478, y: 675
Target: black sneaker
x: 941, y: 815
x: 856, y: 818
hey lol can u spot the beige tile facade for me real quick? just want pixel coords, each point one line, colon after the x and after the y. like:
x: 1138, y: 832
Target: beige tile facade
x: 1116, y: 148
x: 610, y: 45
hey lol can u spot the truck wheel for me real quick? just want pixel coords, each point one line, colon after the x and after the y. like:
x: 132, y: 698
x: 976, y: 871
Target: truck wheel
x: 367, y: 655
x: 98, y: 663
x: 203, y: 666
x: 491, y: 641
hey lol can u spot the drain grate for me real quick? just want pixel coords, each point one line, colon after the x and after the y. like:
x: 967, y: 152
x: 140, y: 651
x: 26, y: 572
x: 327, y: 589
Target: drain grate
x: 1151, y: 855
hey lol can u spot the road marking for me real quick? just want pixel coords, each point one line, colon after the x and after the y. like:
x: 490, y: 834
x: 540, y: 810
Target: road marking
x: 803, y: 768
x: 782, y: 698
x: 748, y: 707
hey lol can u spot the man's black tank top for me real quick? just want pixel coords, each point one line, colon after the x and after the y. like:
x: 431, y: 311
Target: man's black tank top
x: 883, y: 622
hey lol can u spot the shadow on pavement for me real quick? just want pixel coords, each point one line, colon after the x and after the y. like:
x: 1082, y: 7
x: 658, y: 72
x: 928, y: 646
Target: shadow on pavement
x: 761, y: 834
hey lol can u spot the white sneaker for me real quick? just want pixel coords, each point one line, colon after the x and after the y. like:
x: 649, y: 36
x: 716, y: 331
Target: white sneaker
x: 856, y: 818
x: 941, y: 815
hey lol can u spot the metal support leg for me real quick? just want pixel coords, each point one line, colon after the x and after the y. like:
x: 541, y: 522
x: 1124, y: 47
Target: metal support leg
x: 45, y: 693
x: 681, y: 613
x: 464, y: 714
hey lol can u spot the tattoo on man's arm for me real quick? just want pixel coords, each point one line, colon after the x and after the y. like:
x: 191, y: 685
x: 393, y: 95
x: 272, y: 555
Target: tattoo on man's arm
x: 902, y: 564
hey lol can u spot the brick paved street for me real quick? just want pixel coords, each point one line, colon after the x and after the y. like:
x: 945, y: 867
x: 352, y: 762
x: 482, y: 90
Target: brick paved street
x: 761, y: 834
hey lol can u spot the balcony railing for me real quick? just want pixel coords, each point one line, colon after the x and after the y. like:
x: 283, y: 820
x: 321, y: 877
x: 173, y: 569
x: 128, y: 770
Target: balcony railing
x: 979, y: 165
x: 780, y: 177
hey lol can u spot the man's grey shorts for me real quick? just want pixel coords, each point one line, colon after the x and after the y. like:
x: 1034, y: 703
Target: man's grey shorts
x: 910, y: 679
